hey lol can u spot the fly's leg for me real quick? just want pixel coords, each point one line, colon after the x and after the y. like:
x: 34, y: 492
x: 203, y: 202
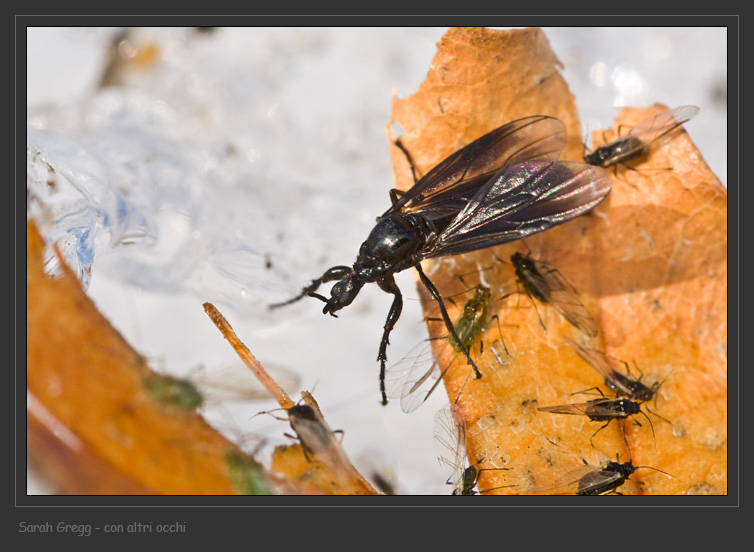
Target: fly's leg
x: 400, y: 146
x: 448, y: 324
x: 395, y: 194
x: 334, y: 273
x: 388, y: 284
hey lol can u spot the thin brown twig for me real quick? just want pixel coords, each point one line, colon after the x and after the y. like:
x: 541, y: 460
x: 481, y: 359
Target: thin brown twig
x: 243, y: 351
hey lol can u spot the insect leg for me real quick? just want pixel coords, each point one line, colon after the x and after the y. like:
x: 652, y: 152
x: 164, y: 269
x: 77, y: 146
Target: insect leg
x: 533, y: 302
x: 500, y: 333
x: 334, y: 273
x: 400, y: 146
x: 600, y: 429
x: 388, y: 284
x: 585, y: 391
x: 395, y: 194
x: 448, y: 324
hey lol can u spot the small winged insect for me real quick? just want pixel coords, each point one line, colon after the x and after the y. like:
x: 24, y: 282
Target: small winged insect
x: 418, y: 381
x: 316, y: 438
x: 450, y: 445
x: 546, y: 284
x: 623, y: 385
x: 588, y: 480
x: 501, y: 187
x: 641, y: 137
x: 601, y: 410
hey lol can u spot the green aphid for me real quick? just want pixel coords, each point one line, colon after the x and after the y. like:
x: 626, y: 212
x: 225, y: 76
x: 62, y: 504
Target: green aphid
x: 176, y: 392
x: 247, y: 476
x: 417, y: 382
x: 473, y: 319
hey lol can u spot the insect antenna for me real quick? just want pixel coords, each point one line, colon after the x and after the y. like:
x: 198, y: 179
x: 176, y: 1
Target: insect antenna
x: 657, y: 470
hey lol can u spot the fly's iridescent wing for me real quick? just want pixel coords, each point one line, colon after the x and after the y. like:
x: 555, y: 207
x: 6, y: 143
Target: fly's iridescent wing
x: 548, y: 285
x: 642, y: 135
x: 450, y: 444
x: 525, y: 198
x: 447, y: 188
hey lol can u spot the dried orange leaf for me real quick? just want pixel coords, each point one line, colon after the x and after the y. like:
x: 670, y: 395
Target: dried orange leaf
x: 649, y: 263
x: 92, y: 426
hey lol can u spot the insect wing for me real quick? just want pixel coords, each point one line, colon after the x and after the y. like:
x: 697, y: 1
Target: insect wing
x: 450, y: 184
x: 528, y: 197
x: 232, y: 382
x: 598, y: 481
x: 576, y: 409
x: 653, y: 128
x: 567, y: 483
x: 602, y: 364
x: 417, y: 375
x: 598, y: 408
x: 450, y: 443
x: 316, y: 437
x: 562, y: 296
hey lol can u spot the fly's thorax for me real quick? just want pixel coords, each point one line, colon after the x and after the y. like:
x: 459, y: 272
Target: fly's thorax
x: 392, y: 246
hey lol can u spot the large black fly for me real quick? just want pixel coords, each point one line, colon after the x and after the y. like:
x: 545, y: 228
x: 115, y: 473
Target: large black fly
x: 501, y: 187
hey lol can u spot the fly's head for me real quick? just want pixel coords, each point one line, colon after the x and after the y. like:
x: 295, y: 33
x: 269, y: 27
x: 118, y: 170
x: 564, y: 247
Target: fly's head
x: 343, y: 293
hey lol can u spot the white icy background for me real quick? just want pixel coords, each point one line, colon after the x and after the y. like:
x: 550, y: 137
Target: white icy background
x: 250, y: 145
